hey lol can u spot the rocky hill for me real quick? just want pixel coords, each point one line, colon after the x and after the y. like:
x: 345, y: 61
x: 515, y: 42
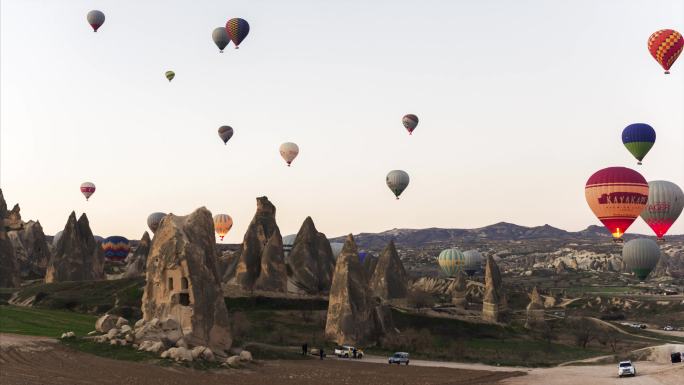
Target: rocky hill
x: 501, y: 231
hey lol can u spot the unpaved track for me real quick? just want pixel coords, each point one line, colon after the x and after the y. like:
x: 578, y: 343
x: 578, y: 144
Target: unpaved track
x: 648, y: 374
x: 31, y: 361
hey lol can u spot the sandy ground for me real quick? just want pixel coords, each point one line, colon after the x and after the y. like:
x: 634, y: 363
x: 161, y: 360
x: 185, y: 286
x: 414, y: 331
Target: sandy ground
x: 33, y: 361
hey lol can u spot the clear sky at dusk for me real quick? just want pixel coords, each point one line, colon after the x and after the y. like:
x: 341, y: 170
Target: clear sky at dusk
x: 519, y: 103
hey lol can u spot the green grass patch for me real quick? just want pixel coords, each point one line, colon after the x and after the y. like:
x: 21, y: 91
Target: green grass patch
x: 44, y: 322
x: 117, y: 352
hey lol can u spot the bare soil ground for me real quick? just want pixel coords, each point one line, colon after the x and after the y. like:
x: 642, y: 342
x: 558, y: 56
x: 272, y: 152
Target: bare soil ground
x: 30, y: 360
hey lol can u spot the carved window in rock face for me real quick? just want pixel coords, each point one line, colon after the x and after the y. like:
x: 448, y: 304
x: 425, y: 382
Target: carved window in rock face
x: 184, y: 283
x: 170, y: 283
x: 184, y: 299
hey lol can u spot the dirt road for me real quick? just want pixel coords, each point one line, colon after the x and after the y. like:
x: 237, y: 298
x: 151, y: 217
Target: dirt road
x: 38, y: 361
x: 648, y: 374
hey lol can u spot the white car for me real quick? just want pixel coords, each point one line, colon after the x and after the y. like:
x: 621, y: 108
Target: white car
x: 668, y: 328
x: 399, y: 358
x: 626, y: 368
x: 347, y: 351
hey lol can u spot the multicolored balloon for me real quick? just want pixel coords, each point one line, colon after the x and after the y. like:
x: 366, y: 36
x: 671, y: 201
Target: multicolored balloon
x: 397, y: 181
x: 237, y: 30
x: 95, y: 19
x: 473, y: 262
x: 616, y: 195
x: 222, y: 224
x: 289, y: 152
x: 170, y: 75
x: 225, y: 133
x: 220, y: 37
x: 641, y: 256
x: 665, y: 204
x: 116, y: 248
x: 665, y: 46
x: 410, y: 122
x: 87, y: 189
x: 153, y: 221
x: 451, y: 261
x: 638, y: 138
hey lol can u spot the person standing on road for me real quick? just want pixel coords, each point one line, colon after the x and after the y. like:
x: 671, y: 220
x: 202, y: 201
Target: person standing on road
x: 321, y: 352
x: 305, y: 348
x: 354, y: 352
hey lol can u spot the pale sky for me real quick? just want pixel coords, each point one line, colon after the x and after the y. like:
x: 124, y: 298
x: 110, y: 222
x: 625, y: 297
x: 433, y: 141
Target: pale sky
x: 519, y: 103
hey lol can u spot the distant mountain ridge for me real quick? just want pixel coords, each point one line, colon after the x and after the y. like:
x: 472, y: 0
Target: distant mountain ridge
x: 501, y: 231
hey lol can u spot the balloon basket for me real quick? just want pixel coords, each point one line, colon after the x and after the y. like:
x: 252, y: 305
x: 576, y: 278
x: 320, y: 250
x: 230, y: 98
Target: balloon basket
x: 618, y: 240
x: 667, y: 72
x: 639, y: 163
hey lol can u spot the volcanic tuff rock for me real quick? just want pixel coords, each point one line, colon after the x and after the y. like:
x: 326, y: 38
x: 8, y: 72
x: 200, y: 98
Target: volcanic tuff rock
x: 137, y: 262
x: 9, y: 268
x: 31, y: 249
x: 311, y: 260
x: 182, y: 285
x: 352, y: 316
x: 77, y: 257
x: 459, y: 291
x: 369, y: 265
x: 254, y: 249
x: 389, y: 280
x: 535, y: 309
x: 494, y: 301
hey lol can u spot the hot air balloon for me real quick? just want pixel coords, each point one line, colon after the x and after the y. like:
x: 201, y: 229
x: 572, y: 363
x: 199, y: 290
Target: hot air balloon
x: 220, y: 37
x: 170, y: 75
x: 225, y: 133
x: 616, y: 195
x: 473, y: 262
x: 638, y: 138
x: 222, y: 224
x: 87, y: 189
x: 289, y: 152
x: 362, y: 256
x: 451, y: 261
x: 115, y: 248
x: 665, y: 46
x: 665, y: 203
x: 641, y: 255
x: 410, y: 122
x: 95, y: 19
x: 237, y: 30
x: 153, y: 221
x: 397, y: 180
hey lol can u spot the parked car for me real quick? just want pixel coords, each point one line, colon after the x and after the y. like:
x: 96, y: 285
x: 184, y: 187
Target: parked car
x: 626, y: 368
x: 399, y: 358
x: 668, y: 328
x: 347, y: 351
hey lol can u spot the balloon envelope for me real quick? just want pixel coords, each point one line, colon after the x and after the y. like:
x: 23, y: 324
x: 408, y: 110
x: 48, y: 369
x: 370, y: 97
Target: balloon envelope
x: 225, y: 133
x: 616, y: 195
x: 665, y: 46
x: 397, y: 181
x: 641, y: 255
x: 170, y: 75
x: 220, y: 37
x: 451, y: 261
x: 95, y: 19
x: 410, y: 122
x: 665, y: 204
x: 473, y: 262
x: 153, y: 221
x: 638, y: 138
x: 222, y: 224
x: 289, y: 151
x: 237, y: 30
x: 87, y: 189
x: 116, y: 248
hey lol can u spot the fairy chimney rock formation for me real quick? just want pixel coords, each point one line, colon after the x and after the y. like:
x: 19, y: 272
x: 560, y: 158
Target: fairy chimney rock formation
x: 311, y: 261
x: 494, y: 302
x: 389, y: 280
x: 369, y: 264
x: 535, y: 309
x: 77, y: 257
x: 262, y: 253
x: 137, y: 262
x: 9, y: 268
x: 459, y: 291
x: 351, y: 310
x: 182, y: 289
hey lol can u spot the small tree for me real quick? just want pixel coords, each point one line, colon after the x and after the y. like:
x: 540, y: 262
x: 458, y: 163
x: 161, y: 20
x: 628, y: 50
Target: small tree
x: 420, y: 299
x: 584, y: 331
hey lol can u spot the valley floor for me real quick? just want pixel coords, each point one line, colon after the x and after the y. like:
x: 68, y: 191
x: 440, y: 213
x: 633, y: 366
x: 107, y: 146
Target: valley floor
x: 29, y: 360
